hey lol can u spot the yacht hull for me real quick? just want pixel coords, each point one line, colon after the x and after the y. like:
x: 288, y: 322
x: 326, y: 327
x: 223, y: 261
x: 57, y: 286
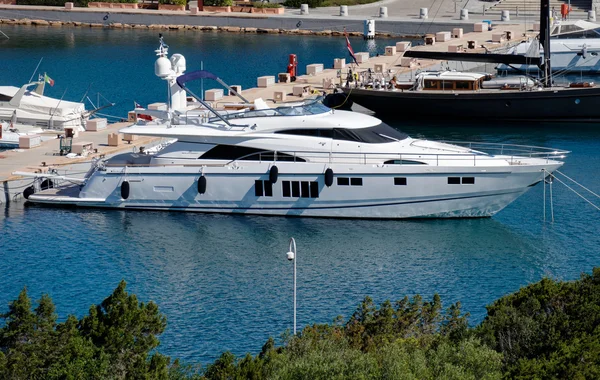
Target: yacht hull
x: 573, y: 104
x: 425, y: 195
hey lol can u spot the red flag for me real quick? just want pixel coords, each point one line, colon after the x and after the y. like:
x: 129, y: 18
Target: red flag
x: 350, y: 47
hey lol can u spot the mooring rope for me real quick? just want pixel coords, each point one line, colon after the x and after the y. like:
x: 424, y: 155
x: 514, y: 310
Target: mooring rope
x: 577, y: 183
x: 575, y: 191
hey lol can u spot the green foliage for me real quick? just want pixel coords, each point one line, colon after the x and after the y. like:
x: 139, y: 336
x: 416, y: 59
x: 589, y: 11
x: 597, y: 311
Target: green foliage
x: 218, y: 3
x: 118, y: 339
x: 260, y: 4
x: 297, y: 3
x: 548, y: 329
x: 411, y: 340
x: 173, y: 2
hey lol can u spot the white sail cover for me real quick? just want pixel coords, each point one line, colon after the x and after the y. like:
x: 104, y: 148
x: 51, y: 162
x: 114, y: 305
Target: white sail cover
x: 36, y: 103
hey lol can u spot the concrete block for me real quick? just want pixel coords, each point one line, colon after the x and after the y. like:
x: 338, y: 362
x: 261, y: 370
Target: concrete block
x: 69, y: 6
x: 480, y: 27
x: 408, y: 62
x: 314, y: 68
x: 390, y: 50
x: 129, y: 138
x: 284, y: 77
x: 237, y: 88
x: 71, y: 132
x: 279, y: 96
x: 339, y: 63
x: 29, y: 141
x: 96, y: 125
x: 457, y: 32
x: 114, y: 139
x: 131, y: 116
x: 158, y: 106
x: 379, y: 67
x: 498, y: 37
x: 194, y: 10
x: 82, y: 147
x: 301, y: 90
x: 443, y: 36
x: 455, y: 48
x: 266, y: 81
x: 361, y: 57
x: 402, y: 46
x: 213, y: 94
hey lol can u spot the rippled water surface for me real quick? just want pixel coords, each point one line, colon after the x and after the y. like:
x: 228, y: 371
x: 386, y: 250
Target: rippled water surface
x: 223, y: 281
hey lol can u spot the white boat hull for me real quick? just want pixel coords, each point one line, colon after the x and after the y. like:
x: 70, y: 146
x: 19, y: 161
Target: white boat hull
x: 425, y: 195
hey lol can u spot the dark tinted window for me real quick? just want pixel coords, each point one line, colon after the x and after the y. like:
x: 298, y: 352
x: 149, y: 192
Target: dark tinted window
x: 356, y: 181
x: 403, y: 162
x: 258, y: 188
x: 268, y: 189
x: 468, y: 180
x: 314, y: 189
x: 285, y: 186
x: 295, y: 189
x: 453, y: 180
x: 343, y: 181
x: 230, y: 152
x: 400, y: 181
x: 304, y: 187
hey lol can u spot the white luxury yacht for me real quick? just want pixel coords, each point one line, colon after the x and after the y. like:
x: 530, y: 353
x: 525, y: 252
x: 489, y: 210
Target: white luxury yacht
x: 299, y: 160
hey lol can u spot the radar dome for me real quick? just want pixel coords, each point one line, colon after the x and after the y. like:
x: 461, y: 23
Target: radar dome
x: 178, y: 62
x: 162, y: 67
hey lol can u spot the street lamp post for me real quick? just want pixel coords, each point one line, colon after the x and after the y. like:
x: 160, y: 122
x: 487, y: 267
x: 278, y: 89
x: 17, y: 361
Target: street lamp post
x: 291, y: 255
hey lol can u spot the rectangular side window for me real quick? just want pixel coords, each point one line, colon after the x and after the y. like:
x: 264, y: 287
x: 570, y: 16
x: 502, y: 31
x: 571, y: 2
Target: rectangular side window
x: 295, y: 189
x: 305, y: 193
x: 314, y: 189
x: 268, y: 188
x: 453, y: 180
x: 400, y: 181
x: 258, y: 188
x: 468, y: 180
x: 343, y: 181
x: 356, y: 181
x: 285, y: 188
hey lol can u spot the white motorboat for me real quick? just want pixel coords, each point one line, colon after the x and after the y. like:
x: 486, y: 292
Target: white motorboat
x: 27, y: 108
x: 303, y: 159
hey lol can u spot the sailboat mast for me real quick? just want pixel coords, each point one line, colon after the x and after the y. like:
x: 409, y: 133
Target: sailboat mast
x: 545, y: 42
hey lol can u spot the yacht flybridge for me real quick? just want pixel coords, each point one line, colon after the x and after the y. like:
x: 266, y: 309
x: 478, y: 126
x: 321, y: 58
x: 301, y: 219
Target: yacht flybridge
x: 302, y: 160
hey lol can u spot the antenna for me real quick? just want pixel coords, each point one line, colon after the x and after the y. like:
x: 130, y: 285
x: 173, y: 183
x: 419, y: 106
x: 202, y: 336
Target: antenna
x: 36, y: 69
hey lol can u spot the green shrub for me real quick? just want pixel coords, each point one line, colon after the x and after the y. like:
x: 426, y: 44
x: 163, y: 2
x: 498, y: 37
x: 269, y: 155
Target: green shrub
x: 296, y: 3
x: 53, y: 3
x: 218, y: 3
x: 173, y: 2
x: 260, y: 4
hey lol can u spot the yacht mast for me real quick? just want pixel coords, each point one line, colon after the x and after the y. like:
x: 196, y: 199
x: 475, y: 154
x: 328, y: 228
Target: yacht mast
x: 545, y: 42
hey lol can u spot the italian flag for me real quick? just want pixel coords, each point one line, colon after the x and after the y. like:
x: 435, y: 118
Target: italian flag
x: 48, y: 80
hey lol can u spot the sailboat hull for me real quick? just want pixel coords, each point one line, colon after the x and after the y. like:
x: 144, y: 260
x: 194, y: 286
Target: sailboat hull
x: 552, y: 104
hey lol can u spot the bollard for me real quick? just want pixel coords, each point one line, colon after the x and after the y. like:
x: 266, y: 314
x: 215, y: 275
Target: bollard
x: 343, y: 10
x: 369, y: 32
x: 383, y: 12
x: 423, y: 13
x: 592, y: 15
x: 464, y: 14
x: 303, y: 9
x: 505, y: 16
x: 517, y: 13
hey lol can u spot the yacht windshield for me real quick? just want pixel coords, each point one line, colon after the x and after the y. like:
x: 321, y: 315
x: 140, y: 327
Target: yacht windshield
x: 381, y: 133
x: 312, y: 108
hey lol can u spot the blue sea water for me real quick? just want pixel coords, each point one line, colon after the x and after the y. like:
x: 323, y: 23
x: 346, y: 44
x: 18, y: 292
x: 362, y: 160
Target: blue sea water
x: 223, y: 281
